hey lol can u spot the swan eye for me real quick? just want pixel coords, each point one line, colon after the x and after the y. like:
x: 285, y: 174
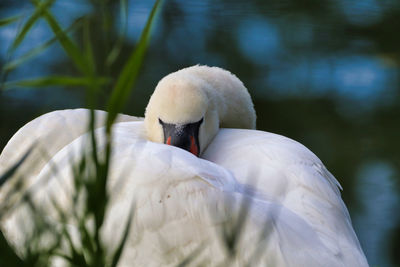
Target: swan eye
x: 160, y: 121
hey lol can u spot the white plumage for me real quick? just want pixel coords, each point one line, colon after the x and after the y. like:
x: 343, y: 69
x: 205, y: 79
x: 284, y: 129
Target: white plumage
x: 182, y: 202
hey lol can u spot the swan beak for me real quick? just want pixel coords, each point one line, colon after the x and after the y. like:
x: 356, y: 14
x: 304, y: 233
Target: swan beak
x: 185, y: 136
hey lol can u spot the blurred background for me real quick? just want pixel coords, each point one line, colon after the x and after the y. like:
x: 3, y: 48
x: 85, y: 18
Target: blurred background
x: 323, y: 72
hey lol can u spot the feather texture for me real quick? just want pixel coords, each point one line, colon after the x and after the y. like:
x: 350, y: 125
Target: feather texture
x: 182, y: 203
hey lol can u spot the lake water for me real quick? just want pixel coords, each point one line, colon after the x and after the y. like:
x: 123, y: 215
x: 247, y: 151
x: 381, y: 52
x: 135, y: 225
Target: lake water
x: 325, y: 73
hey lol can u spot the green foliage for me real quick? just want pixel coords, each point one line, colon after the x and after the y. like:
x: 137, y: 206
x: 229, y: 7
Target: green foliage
x: 56, y: 81
x: 90, y: 197
x: 6, y: 21
x: 10, y: 172
x: 36, y: 51
x: 130, y: 71
x: 68, y: 45
x: 40, y: 9
x: 116, y: 50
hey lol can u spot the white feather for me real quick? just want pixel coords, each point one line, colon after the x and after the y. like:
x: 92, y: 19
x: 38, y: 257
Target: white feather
x: 182, y: 203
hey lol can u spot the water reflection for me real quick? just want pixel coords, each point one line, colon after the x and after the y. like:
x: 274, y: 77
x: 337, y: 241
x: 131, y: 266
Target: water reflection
x: 377, y: 220
x: 325, y: 73
x: 363, y: 13
x: 258, y: 40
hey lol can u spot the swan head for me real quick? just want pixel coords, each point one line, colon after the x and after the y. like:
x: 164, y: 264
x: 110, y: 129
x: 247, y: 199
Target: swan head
x: 189, y: 106
x: 179, y: 113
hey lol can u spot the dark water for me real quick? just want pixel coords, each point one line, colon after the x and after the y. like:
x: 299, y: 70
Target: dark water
x: 325, y: 73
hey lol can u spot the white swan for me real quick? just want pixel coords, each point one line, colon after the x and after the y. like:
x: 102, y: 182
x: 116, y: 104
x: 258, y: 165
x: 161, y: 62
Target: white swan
x: 296, y: 216
x: 194, y: 103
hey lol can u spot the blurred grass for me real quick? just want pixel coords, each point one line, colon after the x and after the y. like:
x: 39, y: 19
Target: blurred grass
x: 56, y: 81
x: 10, y: 172
x: 9, y: 20
x: 36, y: 51
x: 91, y: 172
x: 29, y: 24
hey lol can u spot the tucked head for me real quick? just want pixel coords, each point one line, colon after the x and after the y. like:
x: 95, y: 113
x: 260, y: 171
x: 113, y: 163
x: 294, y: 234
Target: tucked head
x: 185, y: 109
x: 176, y: 111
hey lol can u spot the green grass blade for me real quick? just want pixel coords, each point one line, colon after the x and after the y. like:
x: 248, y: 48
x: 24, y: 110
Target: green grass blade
x: 130, y: 71
x: 232, y: 230
x: 7, y: 255
x: 192, y: 256
x: 68, y: 45
x: 92, y: 90
x: 9, y: 20
x: 117, y: 254
x: 41, y: 7
x: 10, y: 172
x: 88, y: 47
x: 116, y: 50
x: 37, y: 50
x: 55, y: 81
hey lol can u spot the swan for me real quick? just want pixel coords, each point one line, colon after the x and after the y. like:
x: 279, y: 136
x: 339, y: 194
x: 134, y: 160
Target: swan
x: 189, y: 165
x: 188, y: 107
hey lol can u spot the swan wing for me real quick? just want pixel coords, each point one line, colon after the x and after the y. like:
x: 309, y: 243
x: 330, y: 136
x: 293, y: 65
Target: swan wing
x: 182, y: 204
x: 48, y: 133
x: 287, y: 172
